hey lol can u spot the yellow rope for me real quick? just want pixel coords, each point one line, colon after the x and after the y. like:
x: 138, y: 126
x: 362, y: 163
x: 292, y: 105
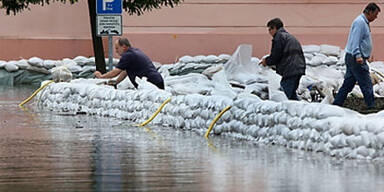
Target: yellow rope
x: 34, y: 94
x: 214, y: 121
x: 157, y: 112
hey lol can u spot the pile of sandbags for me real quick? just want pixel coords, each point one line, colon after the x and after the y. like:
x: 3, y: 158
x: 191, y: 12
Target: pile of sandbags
x: 316, y: 55
x: 195, y: 64
x: 308, y: 126
x: 76, y: 65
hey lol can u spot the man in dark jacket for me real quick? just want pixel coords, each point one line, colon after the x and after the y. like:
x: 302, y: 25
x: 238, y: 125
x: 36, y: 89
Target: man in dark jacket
x: 288, y: 57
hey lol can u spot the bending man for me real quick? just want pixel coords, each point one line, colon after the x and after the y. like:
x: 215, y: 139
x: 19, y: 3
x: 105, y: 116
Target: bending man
x: 288, y: 57
x: 133, y: 63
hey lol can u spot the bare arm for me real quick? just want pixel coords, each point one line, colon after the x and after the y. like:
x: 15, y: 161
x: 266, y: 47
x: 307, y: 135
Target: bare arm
x: 111, y: 74
x: 121, y: 77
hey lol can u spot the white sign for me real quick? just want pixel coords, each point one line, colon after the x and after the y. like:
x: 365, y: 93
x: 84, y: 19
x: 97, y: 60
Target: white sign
x: 109, y: 25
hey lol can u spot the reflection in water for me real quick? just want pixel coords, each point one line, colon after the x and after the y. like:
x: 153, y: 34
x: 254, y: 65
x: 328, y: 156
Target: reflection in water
x: 49, y: 151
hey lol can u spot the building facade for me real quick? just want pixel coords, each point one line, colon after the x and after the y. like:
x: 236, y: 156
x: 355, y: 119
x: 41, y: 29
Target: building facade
x: 195, y: 27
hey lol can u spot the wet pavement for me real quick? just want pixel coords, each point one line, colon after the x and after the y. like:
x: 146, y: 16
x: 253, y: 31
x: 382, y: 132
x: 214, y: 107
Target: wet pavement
x: 50, y: 151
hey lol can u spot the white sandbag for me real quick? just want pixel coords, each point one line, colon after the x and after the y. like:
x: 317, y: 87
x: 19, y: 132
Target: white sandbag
x: 188, y: 88
x: 211, y: 59
x: 318, y: 59
x: 35, y: 61
x: 49, y: 64
x: 2, y: 64
x: 311, y: 48
x: 273, y: 84
x: 38, y: 70
x: 255, y: 60
x: 277, y: 96
x: 244, y: 100
x: 308, y: 56
x: 331, y: 60
x: 59, y: 63
x: 164, y: 72
x: 11, y: 66
x: 74, y: 68
x: 224, y: 57
x: 67, y: 61
x: 329, y: 98
x: 330, y: 50
x: 188, y: 78
x: 330, y: 76
x: 91, y: 61
x: 87, y: 68
x: 186, y: 59
x: 125, y: 84
x: 81, y: 60
x: 257, y: 88
x: 198, y: 59
x: 22, y: 64
x: 377, y: 66
x: 71, y: 65
x: 61, y: 74
x: 212, y: 70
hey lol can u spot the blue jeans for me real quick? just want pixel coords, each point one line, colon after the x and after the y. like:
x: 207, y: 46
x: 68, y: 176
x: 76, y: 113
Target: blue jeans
x: 290, y: 85
x: 356, y: 72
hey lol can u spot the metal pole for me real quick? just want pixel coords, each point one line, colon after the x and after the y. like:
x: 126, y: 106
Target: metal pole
x: 110, y: 53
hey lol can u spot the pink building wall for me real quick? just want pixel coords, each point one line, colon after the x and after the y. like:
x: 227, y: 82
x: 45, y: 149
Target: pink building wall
x: 196, y: 27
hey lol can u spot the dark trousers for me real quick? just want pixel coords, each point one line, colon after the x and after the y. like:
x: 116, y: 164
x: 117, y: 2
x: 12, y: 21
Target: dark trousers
x: 290, y: 85
x: 356, y: 73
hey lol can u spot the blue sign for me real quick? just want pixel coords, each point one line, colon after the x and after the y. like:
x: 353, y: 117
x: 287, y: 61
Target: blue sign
x: 109, y: 7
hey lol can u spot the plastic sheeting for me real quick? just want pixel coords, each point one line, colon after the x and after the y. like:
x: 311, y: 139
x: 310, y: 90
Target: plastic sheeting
x: 31, y: 77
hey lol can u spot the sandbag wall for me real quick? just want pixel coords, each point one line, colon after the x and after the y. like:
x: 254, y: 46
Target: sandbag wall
x: 308, y: 126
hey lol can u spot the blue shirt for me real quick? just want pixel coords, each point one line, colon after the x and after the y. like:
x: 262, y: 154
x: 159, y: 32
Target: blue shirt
x: 137, y: 64
x: 359, y: 40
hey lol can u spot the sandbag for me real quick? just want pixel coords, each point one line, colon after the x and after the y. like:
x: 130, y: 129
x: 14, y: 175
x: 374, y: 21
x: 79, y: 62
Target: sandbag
x: 11, y: 66
x: 2, y: 64
x: 61, y: 74
x: 35, y: 61
x: 23, y: 64
x: 49, y: 64
x: 330, y: 50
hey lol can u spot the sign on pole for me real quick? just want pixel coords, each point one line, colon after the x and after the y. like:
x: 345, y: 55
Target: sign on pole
x: 109, y: 25
x: 108, y: 22
x: 111, y: 7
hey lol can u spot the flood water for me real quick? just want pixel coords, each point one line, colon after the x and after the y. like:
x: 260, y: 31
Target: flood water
x: 49, y: 151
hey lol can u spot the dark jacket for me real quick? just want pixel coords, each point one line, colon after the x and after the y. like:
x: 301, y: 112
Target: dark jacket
x: 286, y: 54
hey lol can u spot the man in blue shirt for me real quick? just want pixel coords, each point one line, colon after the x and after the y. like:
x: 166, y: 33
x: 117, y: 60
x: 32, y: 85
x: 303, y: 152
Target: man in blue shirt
x: 133, y: 63
x: 358, y: 50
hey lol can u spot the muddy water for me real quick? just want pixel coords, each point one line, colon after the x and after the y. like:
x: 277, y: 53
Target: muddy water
x: 49, y: 151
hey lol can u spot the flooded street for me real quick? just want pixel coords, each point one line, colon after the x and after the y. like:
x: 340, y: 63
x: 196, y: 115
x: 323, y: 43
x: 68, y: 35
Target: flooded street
x: 50, y: 151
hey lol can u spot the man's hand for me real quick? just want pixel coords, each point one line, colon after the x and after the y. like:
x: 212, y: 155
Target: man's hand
x: 97, y: 74
x: 263, y: 62
x: 371, y: 59
x: 359, y: 60
x: 115, y: 72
